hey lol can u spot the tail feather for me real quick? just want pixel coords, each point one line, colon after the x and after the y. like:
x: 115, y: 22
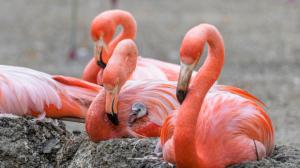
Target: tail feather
x: 77, y: 89
x: 76, y: 82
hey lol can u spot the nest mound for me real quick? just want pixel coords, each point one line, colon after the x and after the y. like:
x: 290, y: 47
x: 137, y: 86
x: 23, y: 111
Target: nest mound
x: 26, y: 142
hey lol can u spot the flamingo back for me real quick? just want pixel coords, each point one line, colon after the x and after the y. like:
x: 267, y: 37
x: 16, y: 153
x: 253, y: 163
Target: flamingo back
x: 171, y: 71
x: 158, y: 96
x: 147, y: 70
x: 23, y: 90
x: 228, y: 126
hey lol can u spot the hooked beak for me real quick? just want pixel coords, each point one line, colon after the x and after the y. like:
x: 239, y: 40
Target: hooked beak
x: 111, y: 105
x: 183, y: 81
x: 100, y: 45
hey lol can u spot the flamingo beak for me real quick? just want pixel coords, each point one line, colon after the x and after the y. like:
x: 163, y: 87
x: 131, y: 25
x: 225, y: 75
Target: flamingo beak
x: 100, y: 45
x: 111, y: 105
x: 185, y: 74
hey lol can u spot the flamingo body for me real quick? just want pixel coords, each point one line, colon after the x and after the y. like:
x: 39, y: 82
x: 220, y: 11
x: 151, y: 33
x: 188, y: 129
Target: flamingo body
x: 24, y: 91
x: 231, y: 128
x: 148, y: 69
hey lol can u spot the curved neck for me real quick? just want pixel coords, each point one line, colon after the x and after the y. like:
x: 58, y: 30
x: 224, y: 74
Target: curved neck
x: 91, y: 71
x: 129, y: 28
x: 186, y: 123
x: 121, y: 65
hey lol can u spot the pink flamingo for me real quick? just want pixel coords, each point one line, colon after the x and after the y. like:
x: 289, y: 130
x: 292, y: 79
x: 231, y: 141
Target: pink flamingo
x: 24, y: 91
x: 217, y: 127
x: 103, y: 28
x: 133, y: 107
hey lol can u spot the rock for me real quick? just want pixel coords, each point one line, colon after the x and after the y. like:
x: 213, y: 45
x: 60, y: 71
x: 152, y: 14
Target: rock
x: 26, y: 142
x: 67, y: 152
x: 112, y: 153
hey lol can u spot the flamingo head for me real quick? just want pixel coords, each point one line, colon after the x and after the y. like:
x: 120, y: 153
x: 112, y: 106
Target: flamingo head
x: 118, y: 70
x: 99, y: 126
x: 102, y: 31
x: 190, y: 52
x: 132, y: 119
x: 103, y: 28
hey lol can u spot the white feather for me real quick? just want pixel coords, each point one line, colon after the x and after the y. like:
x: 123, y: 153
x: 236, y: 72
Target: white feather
x: 152, y: 91
x: 23, y: 90
x: 146, y: 70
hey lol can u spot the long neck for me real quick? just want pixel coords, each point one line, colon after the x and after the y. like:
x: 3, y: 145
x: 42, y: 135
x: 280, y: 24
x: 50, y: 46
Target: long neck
x: 186, y: 123
x: 121, y: 64
x: 129, y: 28
x: 90, y: 71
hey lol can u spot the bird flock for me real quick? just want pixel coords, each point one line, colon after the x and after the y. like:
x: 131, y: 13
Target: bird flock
x: 121, y: 94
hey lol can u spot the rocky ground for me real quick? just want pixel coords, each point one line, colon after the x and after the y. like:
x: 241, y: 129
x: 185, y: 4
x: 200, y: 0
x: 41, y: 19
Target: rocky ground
x: 26, y: 142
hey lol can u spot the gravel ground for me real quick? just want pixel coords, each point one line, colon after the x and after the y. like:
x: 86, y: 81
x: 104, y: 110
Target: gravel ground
x: 261, y: 37
x: 26, y: 142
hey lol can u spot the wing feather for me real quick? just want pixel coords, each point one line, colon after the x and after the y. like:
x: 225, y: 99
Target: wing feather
x: 24, y: 90
x: 239, y: 92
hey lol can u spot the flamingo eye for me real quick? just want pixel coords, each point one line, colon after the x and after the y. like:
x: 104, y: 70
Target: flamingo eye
x: 138, y: 110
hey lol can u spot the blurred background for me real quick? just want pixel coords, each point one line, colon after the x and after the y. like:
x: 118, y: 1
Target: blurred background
x: 262, y: 40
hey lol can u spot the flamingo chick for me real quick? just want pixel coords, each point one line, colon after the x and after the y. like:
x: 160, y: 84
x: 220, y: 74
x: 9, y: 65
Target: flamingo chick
x: 103, y: 28
x: 24, y: 91
x: 218, y: 128
x: 132, y: 108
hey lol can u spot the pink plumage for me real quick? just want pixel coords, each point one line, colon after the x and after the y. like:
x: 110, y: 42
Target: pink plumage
x: 24, y: 91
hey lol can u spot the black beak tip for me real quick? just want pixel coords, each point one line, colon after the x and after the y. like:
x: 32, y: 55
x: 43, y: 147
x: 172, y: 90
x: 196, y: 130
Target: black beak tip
x: 113, y: 117
x: 100, y: 62
x: 180, y: 94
